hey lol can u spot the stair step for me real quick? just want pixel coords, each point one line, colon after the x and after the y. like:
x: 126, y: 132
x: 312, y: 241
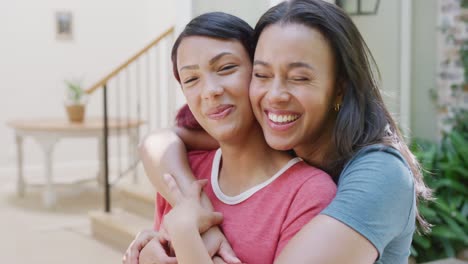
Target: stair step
x: 137, y: 199
x: 117, y: 228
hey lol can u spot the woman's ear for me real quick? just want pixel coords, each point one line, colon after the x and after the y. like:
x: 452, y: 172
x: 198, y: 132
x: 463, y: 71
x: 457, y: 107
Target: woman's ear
x: 340, y: 90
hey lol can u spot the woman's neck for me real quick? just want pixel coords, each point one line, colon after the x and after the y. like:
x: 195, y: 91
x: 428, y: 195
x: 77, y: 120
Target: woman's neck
x: 248, y: 162
x: 318, y: 151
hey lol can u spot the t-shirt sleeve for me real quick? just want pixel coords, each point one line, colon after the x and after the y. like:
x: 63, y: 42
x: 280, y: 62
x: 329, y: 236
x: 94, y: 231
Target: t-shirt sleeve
x: 162, y: 208
x: 313, y: 196
x: 375, y: 196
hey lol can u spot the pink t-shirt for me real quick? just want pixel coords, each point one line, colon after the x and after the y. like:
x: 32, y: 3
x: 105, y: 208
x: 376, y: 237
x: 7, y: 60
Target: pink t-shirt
x: 259, y: 222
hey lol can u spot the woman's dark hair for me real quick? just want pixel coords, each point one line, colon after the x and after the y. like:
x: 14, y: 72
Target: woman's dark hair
x: 185, y: 119
x: 215, y: 25
x: 363, y: 119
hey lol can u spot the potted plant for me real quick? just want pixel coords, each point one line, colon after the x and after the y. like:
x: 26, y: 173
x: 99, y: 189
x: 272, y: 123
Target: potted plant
x: 75, y: 101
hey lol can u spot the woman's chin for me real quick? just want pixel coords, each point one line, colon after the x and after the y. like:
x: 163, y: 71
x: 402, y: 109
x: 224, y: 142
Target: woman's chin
x: 278, y: 143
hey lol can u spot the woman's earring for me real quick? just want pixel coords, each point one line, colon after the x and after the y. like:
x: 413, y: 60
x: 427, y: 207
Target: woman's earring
x: 337, y: 107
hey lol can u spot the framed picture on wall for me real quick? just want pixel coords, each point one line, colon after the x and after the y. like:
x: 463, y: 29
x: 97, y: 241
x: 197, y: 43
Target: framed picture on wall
x: 64, y: 25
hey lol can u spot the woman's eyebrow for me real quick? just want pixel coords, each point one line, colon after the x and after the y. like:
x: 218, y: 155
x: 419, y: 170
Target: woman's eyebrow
x: 259, y: 62
x: 218, y: 57
x: 211, y: 62
x: 300, y: 65
x: 189, y: 67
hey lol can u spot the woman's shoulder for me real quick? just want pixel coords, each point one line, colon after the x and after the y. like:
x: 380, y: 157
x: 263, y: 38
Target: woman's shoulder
x: 302, y: 177
x: 201, y: 159
x: 376, y: 195
x: 378, y: 162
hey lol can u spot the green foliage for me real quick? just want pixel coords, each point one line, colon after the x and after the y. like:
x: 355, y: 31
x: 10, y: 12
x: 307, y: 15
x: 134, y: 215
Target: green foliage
x: 464, y: 57
x: 464, y: 3
x: 446, y: 172
x: 75, y: 92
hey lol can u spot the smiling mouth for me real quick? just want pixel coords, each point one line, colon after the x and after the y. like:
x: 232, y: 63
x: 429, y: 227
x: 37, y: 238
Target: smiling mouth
x: 220, y: 112
x: 282, y: 119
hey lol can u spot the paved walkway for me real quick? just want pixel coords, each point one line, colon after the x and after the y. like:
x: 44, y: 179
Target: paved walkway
x: 32, y: 234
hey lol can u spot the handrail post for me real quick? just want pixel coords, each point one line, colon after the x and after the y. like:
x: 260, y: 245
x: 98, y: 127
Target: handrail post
x: 106, y: 153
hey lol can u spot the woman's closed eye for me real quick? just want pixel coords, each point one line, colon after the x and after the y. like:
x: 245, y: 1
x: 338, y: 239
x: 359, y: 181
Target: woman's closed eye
x: 260, y: 75
x: 226, y: 68
x: 190, y: 79
x: 299, y: 79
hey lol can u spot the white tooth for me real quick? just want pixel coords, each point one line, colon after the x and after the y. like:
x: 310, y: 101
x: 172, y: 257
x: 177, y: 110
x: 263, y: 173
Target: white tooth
x: 271, y: 116
x: 282, y: 118
x: 276, y: 118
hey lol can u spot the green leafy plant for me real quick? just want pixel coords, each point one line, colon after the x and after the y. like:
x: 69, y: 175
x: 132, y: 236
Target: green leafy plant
x: 75, y: 93
x: 446, y: 172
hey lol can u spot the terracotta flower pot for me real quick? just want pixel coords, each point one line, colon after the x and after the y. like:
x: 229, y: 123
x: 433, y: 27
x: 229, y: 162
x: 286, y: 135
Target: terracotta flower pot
x: 75, y: 113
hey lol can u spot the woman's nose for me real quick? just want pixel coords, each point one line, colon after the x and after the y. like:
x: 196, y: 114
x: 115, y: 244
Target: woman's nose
x: 212, y: 88
x: 278, y: 93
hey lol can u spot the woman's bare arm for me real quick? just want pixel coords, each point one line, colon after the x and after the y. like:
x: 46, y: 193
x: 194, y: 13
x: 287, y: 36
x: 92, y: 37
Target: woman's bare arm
x: 196, y: 139
x: 164, y: 152
x: 326, y: 240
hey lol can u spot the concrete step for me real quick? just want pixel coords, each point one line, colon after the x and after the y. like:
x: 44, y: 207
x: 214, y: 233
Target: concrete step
x: 137, y: 199
x: 118, y: 228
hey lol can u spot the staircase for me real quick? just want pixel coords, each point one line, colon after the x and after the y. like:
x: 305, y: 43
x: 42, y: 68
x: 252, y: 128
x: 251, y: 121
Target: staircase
x: 133, y: 211
x: 142, y: 88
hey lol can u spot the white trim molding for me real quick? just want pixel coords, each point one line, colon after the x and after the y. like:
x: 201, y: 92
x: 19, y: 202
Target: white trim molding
x: 405, y: 66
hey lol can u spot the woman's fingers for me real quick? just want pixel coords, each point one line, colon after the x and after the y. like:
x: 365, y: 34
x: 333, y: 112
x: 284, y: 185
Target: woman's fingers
x: 163, y: 235
x: 218, y: 260
x: 225, y: 251
x: 193, y: 193
x: 173, y: 187
x: 216, y: 218
x: 197, y: 188
x: 155, y: 252
x: 140, y: 241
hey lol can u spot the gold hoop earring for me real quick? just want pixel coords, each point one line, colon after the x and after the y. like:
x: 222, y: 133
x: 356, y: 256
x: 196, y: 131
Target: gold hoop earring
x: 337, y: 107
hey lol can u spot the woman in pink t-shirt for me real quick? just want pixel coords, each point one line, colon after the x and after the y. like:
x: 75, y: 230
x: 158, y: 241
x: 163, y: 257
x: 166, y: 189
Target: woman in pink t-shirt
x: 246, y: 179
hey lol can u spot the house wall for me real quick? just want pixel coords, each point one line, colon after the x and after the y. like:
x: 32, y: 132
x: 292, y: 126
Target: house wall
x: 424, y: 69
x: 382, y: 34
x: 34, y: 64
x: 248, y: 10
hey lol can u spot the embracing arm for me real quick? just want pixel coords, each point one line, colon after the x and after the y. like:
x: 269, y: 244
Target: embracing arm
x: 328, y: 241
x: 164, y: 152
x: 374, y: 205
x: 188, y: 246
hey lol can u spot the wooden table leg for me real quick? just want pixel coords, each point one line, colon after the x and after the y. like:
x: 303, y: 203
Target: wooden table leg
x: 20, y: 184
x: 47, y: 144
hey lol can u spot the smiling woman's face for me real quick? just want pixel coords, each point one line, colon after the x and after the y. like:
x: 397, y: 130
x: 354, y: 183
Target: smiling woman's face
x: 293, y: 87
x: 215, y: 76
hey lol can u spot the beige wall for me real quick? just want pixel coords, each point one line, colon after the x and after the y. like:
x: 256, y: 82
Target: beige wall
x: 34, y: 64
x: 249, y: 10
x: 382, y: 34
x: 424, y: 60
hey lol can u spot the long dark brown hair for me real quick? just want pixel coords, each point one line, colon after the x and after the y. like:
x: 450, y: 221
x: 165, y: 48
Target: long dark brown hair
x: 363, y: 119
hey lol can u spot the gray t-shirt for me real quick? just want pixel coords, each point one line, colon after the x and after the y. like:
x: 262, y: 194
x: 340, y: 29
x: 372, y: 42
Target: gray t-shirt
x: 376, y: 198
